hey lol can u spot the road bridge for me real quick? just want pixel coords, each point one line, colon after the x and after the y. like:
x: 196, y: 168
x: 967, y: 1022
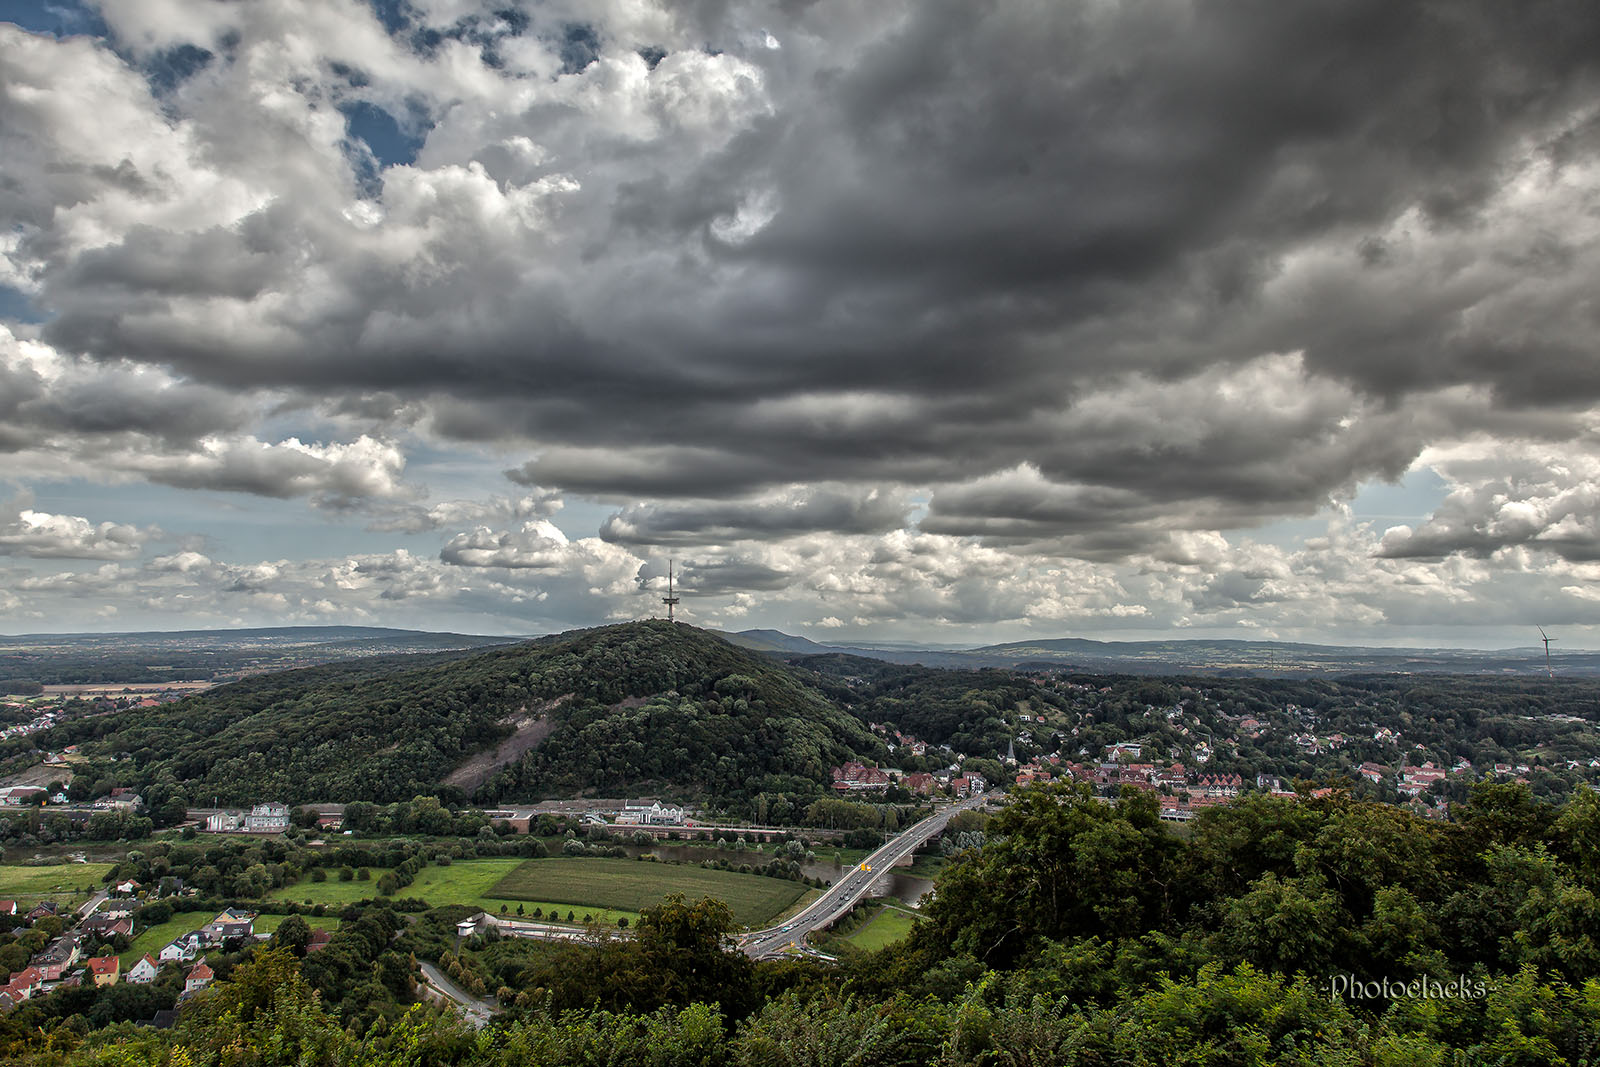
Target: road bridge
x: 847, y: 892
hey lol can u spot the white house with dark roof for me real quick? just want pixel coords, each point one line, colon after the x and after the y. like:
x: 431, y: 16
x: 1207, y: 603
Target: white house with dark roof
x: 181, y: 949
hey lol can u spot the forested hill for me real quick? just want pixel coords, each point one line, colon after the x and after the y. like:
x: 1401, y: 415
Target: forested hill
x: 638, y: 707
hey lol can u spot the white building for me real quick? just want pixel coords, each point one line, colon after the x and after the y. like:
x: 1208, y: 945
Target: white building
x: 654, y: 815
x: 181, y: 949
x: 225, y: 822
x: 268, y: 818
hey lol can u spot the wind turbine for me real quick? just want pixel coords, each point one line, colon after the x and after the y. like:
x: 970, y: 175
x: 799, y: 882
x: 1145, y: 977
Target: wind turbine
x: 1547, y: 639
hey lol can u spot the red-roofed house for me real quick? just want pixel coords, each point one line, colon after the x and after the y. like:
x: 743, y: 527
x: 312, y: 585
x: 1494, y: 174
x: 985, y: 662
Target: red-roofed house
x: 144, y: 971
x: 854, y: 778
x: 967, y: 785
x: 1373, y: 772
x: 24, y: 984
x: 199, y: 977
x: 105, y: 970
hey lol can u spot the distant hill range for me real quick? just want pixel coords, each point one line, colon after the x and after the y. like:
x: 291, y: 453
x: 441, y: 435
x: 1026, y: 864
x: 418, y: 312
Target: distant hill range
x: 1236, y: 658
x: 189, y: 655
x: 201, y: 655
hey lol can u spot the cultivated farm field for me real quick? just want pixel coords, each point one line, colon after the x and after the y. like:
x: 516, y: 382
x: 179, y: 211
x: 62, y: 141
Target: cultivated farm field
x: 634, y: 885
x: 603, y: 889
x: 466, y: 882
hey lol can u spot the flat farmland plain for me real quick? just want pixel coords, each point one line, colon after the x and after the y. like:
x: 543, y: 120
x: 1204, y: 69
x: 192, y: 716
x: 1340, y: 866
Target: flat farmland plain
x: 62, y: 882
x: 464, y: 882
x: 633, y: 886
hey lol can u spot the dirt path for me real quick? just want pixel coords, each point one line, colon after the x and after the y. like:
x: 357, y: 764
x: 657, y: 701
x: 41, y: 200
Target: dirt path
x: 529, y: 729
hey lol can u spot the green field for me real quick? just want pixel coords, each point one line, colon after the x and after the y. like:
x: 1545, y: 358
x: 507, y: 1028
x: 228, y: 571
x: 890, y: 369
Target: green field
x: 606, y: 889
x: 885, y: 928
x: 633, y: 885
x: 266, y: 924
x: 467, y: 882
x: 460, y: 883
x: 63, y: 883
x: 155, y: 937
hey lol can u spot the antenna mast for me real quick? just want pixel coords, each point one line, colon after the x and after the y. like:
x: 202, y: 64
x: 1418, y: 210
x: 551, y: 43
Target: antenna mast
x: 1547, y: 639
x: 669, y: 600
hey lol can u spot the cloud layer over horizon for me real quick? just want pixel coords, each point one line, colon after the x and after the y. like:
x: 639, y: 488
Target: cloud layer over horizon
x: 937, y: 320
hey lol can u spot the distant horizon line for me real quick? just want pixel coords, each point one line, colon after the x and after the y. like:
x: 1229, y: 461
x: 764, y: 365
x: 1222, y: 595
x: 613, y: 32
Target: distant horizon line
x: 865, y: 643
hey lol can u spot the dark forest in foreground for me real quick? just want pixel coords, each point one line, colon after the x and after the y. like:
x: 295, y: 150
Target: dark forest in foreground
x: 1078, y: 933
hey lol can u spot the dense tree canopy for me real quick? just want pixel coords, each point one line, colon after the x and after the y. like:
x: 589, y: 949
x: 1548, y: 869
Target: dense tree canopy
x: 642, y: 706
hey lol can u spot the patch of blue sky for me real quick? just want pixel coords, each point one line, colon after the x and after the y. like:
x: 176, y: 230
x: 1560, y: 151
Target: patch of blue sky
x: 469, y: 474
x: 1407, y: 502
x: 169, y: 69
x: 1410, y: 500
x: 17, y: 306
x: 390, y: 141
x: 394, y: 14
x: 58, y: 18
x: 580, y: 518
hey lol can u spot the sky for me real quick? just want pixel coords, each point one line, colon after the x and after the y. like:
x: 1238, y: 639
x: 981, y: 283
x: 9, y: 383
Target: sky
x: 919, y: 320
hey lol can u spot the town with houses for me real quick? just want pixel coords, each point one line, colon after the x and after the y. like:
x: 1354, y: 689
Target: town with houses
x: 22, y: 717
x: 82, y: 953
x: 1189, y: 755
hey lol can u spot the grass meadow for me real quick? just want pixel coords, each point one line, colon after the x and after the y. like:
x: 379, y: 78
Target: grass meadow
x: 885, y: 928
x: 64, y: 883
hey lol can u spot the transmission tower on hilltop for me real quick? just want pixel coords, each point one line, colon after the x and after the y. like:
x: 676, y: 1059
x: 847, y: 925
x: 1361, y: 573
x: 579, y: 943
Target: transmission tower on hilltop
x: 669, y: 600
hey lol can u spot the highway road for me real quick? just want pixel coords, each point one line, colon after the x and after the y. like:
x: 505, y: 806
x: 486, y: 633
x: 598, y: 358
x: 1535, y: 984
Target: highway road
x: 849, y: 889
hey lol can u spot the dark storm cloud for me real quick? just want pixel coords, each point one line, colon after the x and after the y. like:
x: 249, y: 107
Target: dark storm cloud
x: 799, y: 512
x: 153, y: 263
x: 108, y: 400
x: 1191, y: 266
x: 708, y: 578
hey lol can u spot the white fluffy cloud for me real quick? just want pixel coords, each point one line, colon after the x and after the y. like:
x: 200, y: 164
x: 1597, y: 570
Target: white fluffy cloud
x: 70, y: 417
x: 1507, y: 495
x: 40, y: 535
